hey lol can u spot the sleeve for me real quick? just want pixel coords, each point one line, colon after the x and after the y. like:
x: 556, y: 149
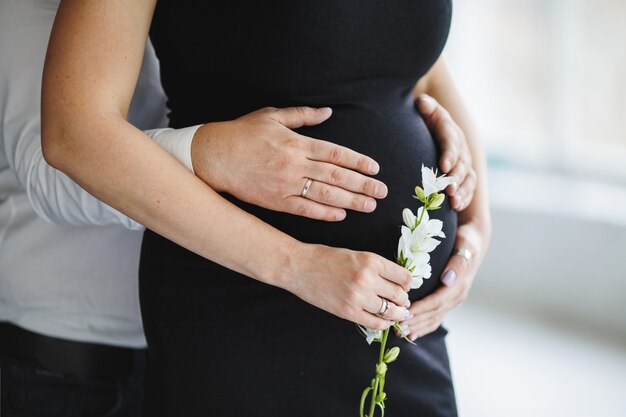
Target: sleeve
x: 53, y: 195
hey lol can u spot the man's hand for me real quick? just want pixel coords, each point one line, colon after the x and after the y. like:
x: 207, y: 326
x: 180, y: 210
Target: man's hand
x: 456, y: 159
x: 274, y: 164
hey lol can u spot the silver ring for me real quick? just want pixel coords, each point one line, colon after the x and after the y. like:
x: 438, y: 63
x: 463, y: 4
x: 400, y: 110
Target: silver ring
x: 307, y: 185
x: 383, y: 308
x: 463, y: 253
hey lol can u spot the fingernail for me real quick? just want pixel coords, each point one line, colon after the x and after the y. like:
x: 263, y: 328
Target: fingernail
x: 370, y: 205
x: 325, y: 110
x: 406, y: 330
x: 341, y: 215
x: 426, y: 103
x: 407, y: 304
x: 448, y: 278
x: 445, y: 165
x: 374, y: 167
x: 407, y: 314
x: 381, y: 191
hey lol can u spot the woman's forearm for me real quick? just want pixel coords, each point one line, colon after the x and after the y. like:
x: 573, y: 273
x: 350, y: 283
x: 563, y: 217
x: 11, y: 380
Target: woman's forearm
x: 92, y: 64
x: 439, y: 84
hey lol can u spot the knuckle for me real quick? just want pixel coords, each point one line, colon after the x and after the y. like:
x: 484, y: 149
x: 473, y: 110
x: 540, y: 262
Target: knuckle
x: 283, y: 165
x: 471, y: 174
x: 362, y: 164
x: 304, y: 210
x: 302, y: 111
x: 336, y: 154
x: 368, y: 184
x: 368, y: 261
x: 380, y: 325
x: 399, y: 295
x: 361, y: 277
x: 336, y: 176
x: 325, y: 194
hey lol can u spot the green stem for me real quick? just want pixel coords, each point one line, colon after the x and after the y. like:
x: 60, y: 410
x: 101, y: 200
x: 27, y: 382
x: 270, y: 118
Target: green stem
x: 383, y: 344
x: 421, y: 216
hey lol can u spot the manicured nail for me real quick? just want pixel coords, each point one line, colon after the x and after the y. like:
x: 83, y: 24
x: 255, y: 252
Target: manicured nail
x: 325, y: 110
x: 407, y: 314
x: 407, y: 304
x: 406, y: 330
x: 341, y: 215
x: 445, y: 165
x: 448, y: 278
x: 369, y: 205
x: 374, y: 167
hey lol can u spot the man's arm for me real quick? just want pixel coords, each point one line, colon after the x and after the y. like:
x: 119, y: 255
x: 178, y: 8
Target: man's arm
x: 53, y: 195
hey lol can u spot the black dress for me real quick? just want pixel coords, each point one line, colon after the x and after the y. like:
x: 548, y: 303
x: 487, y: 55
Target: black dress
x: 222, y: 344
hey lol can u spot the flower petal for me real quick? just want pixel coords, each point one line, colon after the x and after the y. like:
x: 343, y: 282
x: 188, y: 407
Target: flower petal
x: 429, y: 245
x: 416, y: 283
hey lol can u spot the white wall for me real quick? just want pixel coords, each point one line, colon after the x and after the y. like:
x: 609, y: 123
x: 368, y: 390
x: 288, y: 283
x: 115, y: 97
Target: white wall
x: 558, y: 252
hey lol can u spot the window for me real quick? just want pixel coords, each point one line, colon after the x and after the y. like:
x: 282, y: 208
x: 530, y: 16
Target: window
x: 546, y: 81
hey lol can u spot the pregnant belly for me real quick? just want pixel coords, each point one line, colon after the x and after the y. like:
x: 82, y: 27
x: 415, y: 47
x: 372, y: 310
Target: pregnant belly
x: 397, y: 138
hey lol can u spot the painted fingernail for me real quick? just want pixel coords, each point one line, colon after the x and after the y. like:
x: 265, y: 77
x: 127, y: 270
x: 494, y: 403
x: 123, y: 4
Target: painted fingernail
x: 369, y: 205
x: 374, y: 167
x: 341, y: 215
x: 407, y: 314
x: 449, y: 277
x: 325, y: 110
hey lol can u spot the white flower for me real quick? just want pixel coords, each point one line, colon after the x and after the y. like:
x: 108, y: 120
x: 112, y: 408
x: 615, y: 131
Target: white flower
x: 433, y: 184
x: 420, y: 273
x: 409, y: 218
x: 370, y: 334
x: 420, y: 239
x: 414, y: 245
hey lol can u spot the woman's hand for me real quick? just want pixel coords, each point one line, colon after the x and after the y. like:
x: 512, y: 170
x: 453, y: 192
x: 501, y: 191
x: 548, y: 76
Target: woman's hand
x: 350, y: 284
x: 457, y: 278
x: 456, y: 158
x: 260, y: 160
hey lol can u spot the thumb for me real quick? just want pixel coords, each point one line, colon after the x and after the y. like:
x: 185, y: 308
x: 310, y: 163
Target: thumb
x: 295, y: 117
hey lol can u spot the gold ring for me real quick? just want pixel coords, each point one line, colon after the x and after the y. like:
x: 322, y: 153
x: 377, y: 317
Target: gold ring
x: 307, y: 185
x: 463, y: 253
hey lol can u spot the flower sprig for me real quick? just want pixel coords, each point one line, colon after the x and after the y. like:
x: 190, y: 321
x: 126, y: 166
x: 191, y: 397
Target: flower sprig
x: 417, y: 240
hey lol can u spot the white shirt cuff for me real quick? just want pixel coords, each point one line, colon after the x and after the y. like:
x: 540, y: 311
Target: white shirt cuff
x: 176, y: 142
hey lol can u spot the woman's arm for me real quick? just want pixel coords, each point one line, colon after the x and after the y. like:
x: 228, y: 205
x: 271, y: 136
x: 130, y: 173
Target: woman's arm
x: 474, y: 230
x: 90, y: 73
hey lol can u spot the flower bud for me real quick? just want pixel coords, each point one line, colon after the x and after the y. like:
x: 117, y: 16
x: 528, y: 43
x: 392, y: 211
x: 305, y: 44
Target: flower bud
x: 436, y: 202
x: 381, y: 369
x: 409, y: 218
x: 392, y: 354
x: 419, y: 194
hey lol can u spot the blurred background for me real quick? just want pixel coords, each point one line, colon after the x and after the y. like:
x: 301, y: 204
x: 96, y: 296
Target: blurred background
x: 543, y: 333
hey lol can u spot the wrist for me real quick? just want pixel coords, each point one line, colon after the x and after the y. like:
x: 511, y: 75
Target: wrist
x: 289, y: 264
x: 206, y: 155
